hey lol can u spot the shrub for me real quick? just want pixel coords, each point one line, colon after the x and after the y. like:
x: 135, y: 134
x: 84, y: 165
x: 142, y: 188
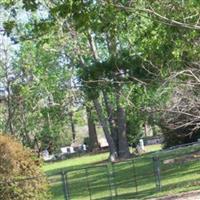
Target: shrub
x: 20, y: 174
x: 179, y: 136
x: 180, y: 121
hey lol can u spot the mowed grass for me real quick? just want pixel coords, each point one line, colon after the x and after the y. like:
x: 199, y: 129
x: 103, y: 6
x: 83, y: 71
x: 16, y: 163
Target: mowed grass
x: 53, y: 170
x: 133, y: 179
x: 73, y: 163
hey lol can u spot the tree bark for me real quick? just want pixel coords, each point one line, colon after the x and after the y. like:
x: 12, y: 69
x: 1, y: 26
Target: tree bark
x: 145, y: 129
x: 9, y: 107
x: 111, y: 119
x: 121, y: 139
x: 93, y: 145
x: 104, y: 124
x: 26, y: 137
x: 72, y: 126
x: 99, y: 110
x: 154, y: 130
x: 123, y: 151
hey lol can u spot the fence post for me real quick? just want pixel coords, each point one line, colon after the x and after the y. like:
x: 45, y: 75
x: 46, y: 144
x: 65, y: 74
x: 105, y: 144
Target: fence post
x: 88, y: 184
x: 135, y: 176
x: 65, y: 189
x: 113, y: 173
x: 109, y: 174
x: 156, y: 165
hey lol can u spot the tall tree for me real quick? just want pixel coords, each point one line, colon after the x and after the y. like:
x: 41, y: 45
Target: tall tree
x: 117, y: 45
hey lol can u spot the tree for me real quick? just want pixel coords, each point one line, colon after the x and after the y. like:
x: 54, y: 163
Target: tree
x: 7, y: 78
x: 117, y: 45
x: 93, y: 140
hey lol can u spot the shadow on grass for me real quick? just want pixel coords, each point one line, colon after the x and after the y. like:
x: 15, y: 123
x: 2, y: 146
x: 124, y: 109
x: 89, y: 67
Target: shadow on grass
x: 150, y: 193
x: 53, y: 172
x: 57, y: 191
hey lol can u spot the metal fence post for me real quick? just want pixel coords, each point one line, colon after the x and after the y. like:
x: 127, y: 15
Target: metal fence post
x: 114, y: 179
x: 65, y: 189
x: 109, y: 174
x: 88, y: 184
x: 135, y: 176
x: 156, y: 165
x: 67, y: 186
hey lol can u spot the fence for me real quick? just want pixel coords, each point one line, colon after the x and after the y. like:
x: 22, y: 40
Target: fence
x: 137, y: 178
x: 142, y: 177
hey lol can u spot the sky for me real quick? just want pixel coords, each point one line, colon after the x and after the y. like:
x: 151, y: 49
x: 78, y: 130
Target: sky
x: 9, y: 43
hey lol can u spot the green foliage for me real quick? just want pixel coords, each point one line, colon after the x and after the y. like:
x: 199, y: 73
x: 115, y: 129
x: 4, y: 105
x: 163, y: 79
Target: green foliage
x: 30, y: 5
x: 123, y: 68
x: 8, y: 26
x: 136, y: 48
x: 134, y: 128
x: 19, y: 163
x: 40, y: 97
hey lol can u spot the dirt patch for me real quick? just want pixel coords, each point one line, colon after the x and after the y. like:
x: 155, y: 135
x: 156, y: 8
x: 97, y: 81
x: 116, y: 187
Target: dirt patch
x: 185, y: 158
x: 194, y: 195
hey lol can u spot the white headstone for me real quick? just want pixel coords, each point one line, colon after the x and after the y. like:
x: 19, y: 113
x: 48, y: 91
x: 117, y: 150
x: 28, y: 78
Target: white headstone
x: 84, y: 147
x: 72, y: 150
x: 67, y: 149
x: 141, y: 143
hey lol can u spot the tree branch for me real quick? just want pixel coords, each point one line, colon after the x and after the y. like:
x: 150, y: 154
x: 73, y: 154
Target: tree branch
x: 162, y: 18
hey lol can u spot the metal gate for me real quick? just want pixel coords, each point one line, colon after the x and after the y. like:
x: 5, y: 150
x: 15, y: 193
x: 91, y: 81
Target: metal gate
x: 138, y: 178
x: 113, y: 181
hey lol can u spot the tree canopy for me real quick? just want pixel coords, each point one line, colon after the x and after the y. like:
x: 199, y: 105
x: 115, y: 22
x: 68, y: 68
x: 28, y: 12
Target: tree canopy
x: 125, y: 58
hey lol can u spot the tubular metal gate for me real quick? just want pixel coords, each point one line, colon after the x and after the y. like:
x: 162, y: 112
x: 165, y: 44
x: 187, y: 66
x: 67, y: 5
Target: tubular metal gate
x: 138, y: 178
x: 113, y: 181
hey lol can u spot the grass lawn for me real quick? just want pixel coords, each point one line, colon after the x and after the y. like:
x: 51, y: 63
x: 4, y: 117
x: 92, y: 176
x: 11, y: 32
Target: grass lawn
x: 74, y: 163
x: 129, y: 180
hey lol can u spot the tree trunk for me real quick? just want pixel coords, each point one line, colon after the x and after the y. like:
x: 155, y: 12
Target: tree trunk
x: 120, y: 120
x: 123, y: 151
x: 10, y: 113
x: 103, y: 121
x: 93, y: 145
x: 154, y: 130
x: 26, y: 137
x: 111, y: 119
x: 118, y: 142
x: 72, y: 126
x: 122, y: 139
x: 145, y: 129
x: 37, y: 147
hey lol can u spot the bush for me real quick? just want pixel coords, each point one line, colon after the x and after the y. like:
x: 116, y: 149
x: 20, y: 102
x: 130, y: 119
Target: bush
x: 20, y: 174
x: 180, y: 121
x: 179, y: 136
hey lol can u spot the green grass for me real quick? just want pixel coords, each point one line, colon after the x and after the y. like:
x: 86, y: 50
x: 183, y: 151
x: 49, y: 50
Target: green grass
x: 174, y: 177
x: 72, y: 163
x: 154, y: 147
